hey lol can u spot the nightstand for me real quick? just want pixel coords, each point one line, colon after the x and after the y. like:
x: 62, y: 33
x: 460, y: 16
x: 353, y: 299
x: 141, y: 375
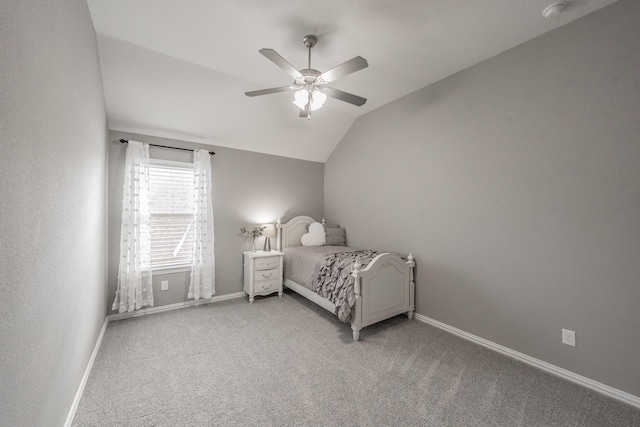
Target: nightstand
x: 262, y: 273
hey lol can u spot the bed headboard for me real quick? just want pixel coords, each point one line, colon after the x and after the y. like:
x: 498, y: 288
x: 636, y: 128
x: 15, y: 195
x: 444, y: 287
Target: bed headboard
x: 289, y: 234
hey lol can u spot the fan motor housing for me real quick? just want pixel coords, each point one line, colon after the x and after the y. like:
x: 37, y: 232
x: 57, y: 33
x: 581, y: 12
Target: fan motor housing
x: 310, y: 75
x: 310, y: 72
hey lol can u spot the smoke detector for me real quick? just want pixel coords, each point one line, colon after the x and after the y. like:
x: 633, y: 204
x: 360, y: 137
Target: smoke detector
x: 554, y: 9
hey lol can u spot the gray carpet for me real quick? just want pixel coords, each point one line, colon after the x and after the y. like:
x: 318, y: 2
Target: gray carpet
x: 286, y: 362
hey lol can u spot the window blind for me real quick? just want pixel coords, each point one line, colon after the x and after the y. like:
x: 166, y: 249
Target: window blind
x: 171, y: 205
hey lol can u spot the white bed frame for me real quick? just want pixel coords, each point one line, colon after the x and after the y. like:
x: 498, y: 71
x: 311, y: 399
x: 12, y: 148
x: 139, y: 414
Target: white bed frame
x: 383, y: 289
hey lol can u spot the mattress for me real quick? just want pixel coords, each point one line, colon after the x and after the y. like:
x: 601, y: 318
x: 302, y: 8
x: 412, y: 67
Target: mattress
x: 302, y: 263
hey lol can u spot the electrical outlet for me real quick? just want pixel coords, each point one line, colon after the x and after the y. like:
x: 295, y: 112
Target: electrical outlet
x: 164, y: 286
x: 569, y: 337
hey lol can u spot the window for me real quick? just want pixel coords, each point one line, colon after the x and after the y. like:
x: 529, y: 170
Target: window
x: 171, y: 206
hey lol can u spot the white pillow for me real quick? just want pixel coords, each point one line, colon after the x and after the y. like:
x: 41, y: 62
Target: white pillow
x: 315, y: 236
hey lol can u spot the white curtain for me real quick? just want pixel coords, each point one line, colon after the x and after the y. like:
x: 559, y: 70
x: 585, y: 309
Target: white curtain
x: 203, y: 269
x: 134, y: 274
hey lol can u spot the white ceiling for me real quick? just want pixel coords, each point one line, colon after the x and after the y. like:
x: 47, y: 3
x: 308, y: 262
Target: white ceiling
x: 180, y: 69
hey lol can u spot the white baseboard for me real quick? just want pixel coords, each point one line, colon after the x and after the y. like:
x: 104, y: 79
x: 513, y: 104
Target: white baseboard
x: 614, y: 393
x: 168, y: 307
x: 85, y: 377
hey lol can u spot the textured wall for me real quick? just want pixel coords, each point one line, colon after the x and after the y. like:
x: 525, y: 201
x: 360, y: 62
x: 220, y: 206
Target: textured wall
x: 53, y: 207
x: 249, y: 188
x: 516, y: 183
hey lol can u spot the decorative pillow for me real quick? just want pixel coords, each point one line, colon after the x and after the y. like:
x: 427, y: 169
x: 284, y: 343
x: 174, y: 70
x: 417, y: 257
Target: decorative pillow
x: 315, y: 236
x: 336, y: 236
x: 332, y: 226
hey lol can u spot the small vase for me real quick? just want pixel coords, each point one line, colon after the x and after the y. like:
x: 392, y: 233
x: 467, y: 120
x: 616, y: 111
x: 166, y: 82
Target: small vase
x: 253, y: 245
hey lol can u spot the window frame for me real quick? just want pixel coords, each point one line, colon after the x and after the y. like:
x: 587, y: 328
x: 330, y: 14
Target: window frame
x: 175, y: 268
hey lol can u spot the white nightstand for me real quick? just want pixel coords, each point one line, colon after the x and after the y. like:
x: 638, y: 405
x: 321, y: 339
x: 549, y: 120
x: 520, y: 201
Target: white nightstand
x: 262, y: 273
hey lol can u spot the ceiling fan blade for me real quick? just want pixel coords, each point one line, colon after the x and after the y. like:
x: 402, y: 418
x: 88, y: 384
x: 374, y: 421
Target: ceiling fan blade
x: 351, y: 66
x: 345, y: 96
x: 268, y: 91
x: 275, y: 57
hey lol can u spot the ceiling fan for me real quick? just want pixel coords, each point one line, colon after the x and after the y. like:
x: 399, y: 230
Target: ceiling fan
x: 309, y: 85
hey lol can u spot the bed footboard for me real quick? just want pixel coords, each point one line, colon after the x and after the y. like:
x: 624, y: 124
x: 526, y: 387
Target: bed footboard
x: 385, y: 288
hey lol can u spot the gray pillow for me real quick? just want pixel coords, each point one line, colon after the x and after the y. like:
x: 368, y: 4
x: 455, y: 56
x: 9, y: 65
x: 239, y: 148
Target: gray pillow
x: 336, y: 236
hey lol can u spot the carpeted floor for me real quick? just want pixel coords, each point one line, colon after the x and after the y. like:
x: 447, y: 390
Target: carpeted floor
x: 287, y: 362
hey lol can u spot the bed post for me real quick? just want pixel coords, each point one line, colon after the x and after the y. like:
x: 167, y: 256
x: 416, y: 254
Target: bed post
x: 357, y: 315
x: 279, y: 235
x: 411, y: 263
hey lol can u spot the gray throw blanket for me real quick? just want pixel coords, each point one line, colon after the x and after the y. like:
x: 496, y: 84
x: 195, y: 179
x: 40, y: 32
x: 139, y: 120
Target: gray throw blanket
x: 335, y: 283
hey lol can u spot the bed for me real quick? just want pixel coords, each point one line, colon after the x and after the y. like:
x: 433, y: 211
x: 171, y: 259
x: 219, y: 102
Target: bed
x: 383, y: 285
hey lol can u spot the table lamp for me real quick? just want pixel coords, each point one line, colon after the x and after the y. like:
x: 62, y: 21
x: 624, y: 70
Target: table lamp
x: 269, y: 231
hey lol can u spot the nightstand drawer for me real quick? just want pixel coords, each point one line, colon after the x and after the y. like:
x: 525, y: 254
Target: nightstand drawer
x: 271, y: 274
x: 267, y: 262
x: 267, y: 285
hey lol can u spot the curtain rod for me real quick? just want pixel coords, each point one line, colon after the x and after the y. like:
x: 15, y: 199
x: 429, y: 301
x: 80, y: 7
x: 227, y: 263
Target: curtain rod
x: 126, y: 141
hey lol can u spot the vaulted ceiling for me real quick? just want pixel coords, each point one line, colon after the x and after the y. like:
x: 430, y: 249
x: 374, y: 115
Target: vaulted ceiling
x: 180, y: 69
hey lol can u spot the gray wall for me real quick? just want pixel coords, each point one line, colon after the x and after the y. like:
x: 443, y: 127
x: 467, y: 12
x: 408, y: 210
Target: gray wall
x: 516, y: 184
x: 249, y: 188
x: 53, y: 207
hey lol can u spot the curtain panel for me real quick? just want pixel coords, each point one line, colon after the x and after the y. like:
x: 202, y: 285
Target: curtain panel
x: 134, y: 274
x: 202, y: 284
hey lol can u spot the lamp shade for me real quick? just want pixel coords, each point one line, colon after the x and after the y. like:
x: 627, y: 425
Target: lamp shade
x: 269, y: 230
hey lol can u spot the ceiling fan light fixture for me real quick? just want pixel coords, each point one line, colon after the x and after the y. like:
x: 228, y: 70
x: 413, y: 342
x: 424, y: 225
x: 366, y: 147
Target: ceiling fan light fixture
x: 301, y: 99
x: 310, y: 92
